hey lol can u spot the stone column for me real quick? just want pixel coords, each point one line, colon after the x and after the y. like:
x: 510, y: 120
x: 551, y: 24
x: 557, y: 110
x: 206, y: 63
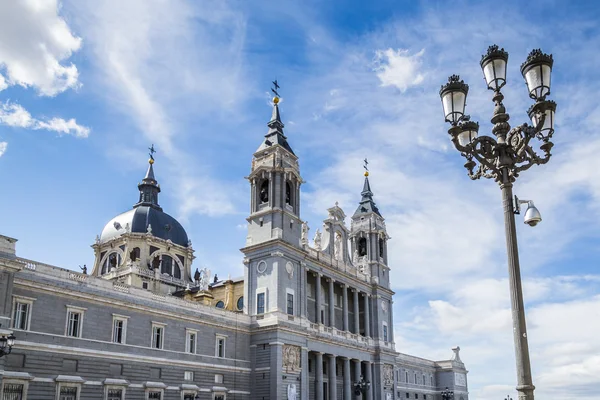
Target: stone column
x: 347, y: 384
x: 369, y: 378
x: 318, y: 376
x: 303, y: 298
x: 318, y: 302
x: 357, y: 372
x: 331, y: 304
x: 356, y: 314
x: 367, y: 317
x: 345, y: 305
x: 276, y: 364
x: 304, y: 379
x: 332, y: 378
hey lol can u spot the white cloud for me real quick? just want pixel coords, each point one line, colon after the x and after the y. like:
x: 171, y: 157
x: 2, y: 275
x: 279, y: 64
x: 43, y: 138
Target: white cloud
x: 34, y: 44
x: 398, y: 68
x: 3, y: 147
x: 61, y: 126
x: 15, y: 115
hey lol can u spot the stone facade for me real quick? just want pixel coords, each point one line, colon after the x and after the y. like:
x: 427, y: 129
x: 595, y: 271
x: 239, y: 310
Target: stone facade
x: 309, y: 319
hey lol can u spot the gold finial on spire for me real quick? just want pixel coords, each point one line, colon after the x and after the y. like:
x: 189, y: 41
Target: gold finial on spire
x: 152, y: 151
x: 275, y: 91
x: 365, y: 166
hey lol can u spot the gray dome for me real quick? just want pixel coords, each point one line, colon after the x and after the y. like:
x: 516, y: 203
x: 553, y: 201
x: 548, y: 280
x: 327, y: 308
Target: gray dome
x: 163, y: 225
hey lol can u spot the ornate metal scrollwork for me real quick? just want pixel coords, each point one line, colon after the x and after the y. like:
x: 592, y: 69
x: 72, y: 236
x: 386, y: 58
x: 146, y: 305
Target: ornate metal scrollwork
x: 487, y: 156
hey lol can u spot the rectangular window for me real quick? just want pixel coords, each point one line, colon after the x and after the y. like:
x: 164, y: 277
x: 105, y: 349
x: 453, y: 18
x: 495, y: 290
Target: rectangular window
x: 13, y: 391
x: 385, y: 333
x: 158, y: 333
x: 260, y: 303
x: 119, y: 326
x: 188, y: 375
x: 220, y: 347
x: 154, y: 395
x: 115, y: 394
x: 189, y: 396
x: 190, y: 341
x: 74, y: 321
x: 68, y: 393
x: 21, y: 315
x: 290, y: 304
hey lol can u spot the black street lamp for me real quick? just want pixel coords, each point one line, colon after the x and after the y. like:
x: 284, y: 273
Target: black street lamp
x: 6, y: 344
x: 502, y: 158
x: 361, y: 386
x: 447, y: 394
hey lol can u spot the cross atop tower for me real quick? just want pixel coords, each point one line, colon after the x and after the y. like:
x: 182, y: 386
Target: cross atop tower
x: 275, y: 88
x: 152, y: 151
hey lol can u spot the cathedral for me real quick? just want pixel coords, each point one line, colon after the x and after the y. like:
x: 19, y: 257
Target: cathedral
x: 310, y: 318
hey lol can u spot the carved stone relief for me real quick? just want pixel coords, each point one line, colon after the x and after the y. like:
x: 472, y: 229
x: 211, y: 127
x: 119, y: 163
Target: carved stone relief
x: 291, y: 358
x: 388, y: 375
x: 289, y: 267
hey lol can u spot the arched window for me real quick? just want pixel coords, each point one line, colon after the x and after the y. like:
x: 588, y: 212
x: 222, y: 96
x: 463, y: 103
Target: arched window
x: 416, y: 378
x: 134, y: 254
x: 170, y: 267
x: 362, y: 247
x: 220, y: 304
x: 264, y: 191
x: 424, y: 381
x: 112, y: 261
x: 288, y: 193
x: 406, y: 376
x: 240, y: 303
x: 381, y: 247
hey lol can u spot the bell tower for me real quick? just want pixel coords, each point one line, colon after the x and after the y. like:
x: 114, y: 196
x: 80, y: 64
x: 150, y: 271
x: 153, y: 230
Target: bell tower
x: 275, y: 187
x: 368, y: 237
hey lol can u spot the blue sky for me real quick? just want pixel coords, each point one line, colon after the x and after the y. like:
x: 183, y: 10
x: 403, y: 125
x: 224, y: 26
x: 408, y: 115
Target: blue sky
x: 87, y: 86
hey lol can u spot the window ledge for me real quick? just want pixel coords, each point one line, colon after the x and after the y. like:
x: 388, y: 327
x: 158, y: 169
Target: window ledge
x: 69, y: 378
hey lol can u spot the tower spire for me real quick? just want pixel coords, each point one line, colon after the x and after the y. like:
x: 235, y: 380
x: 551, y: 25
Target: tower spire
x: 275, y: 134
x: 149, y: 187
x: 366, y: 205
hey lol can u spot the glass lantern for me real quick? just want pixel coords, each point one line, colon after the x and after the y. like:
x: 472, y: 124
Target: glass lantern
x: 537, y: 70
x: 493, y: 65
x: 544, y: 110
x: 454, y: 97
x: 468, y: 133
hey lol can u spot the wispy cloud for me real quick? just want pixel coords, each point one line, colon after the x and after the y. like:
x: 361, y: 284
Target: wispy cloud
x: 3, y: 147
x: 15, y: 115
x: 160, y: 63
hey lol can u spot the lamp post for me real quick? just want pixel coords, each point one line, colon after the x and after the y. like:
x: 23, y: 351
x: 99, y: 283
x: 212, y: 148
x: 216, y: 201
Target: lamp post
x: 502, y: 158
x: 447, y: 394
x: 361, y: 386
x: 6, y: 344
